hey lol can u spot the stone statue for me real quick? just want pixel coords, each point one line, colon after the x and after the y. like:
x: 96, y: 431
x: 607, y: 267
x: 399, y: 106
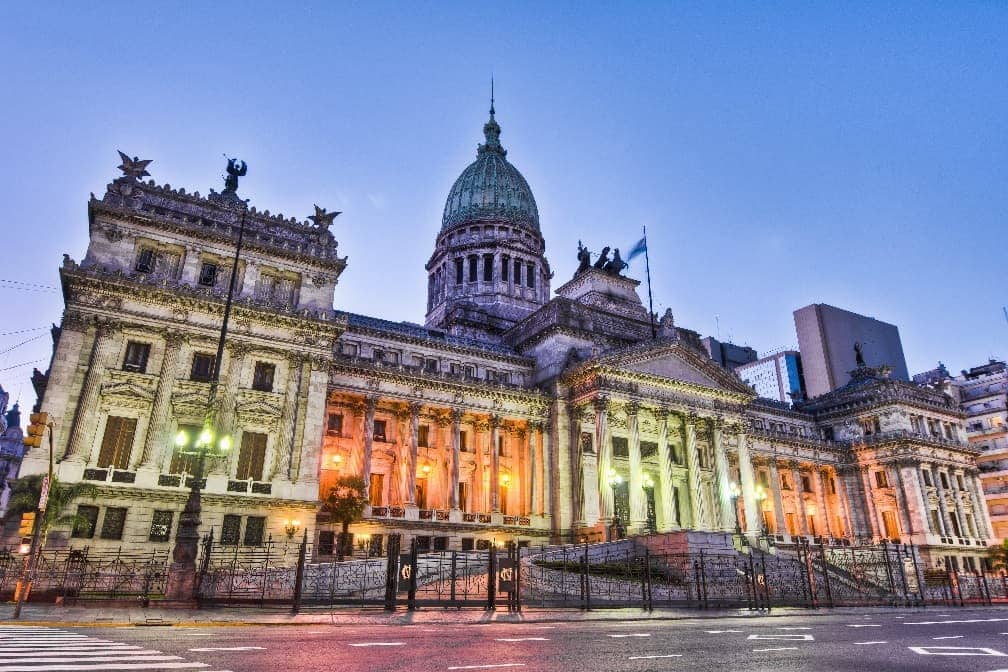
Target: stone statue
x: 616, y: 265
x: 858, y: 354
x: 236, y: 168
x: 603, y: 258
x: 323, y: 219
x: 133, y: 169
x: 584, y: 259
x: 666, y: 325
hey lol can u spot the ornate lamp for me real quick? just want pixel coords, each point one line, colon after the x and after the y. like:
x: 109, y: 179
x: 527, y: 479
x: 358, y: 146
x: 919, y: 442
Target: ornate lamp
x: 292, y: 527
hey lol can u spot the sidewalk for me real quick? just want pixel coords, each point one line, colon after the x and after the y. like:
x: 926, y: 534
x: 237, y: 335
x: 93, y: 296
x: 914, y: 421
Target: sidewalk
x: 108, y: 616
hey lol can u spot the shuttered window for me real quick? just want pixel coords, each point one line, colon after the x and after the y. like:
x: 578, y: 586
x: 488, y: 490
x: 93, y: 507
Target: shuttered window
x: 251, y: 456
x: 117, y: 442
x: 183, y: 457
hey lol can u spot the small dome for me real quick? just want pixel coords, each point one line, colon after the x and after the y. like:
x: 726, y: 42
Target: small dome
x: 490, y: 189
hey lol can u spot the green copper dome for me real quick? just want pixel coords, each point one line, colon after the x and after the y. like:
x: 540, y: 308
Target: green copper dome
x: 490, y: 189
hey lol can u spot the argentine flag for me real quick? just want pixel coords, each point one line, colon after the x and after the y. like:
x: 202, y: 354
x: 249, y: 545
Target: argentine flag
x: 639, y: 248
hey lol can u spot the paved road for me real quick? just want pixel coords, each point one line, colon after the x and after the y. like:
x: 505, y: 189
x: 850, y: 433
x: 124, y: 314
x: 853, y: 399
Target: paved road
x: 926, y: 640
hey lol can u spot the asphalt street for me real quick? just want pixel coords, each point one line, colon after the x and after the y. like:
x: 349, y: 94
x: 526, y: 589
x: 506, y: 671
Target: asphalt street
x: 921, y: 640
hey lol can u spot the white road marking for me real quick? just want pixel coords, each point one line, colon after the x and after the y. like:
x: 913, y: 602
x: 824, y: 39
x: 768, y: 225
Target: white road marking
x: 485, y: 667
x: 865, y: 643
x: 632, y: 634
x: 955, y: 651
x: 863, y: 625
x: 970, y: 620
x: 231, y: 648
x: 787, y: 638
x: 544, y: 627
x: 779, y: 648
x: 718, y: 632
x: 667, y: 655
x: 523, y: 639
x: 203, y: 634
x: 78, y: 654
x: 793, y: 627
x: 378, y: 644
x: 101, y: 668
x: 93, y: 659
x: 949, y: 637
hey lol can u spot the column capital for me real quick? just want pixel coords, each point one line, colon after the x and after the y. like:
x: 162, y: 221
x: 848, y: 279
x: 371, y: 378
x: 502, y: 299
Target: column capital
x: 174, y: 338
x: 239, y: 349
x: 631, y: 409
x: 691, y: 420
x: 414, y: 409
x: 481, y: 424
x: 496, y: 421
x: 601, y: 404
x: 536, y: 425
x: 456, y: 415
x: 105, y: 328
x: 371, y: 403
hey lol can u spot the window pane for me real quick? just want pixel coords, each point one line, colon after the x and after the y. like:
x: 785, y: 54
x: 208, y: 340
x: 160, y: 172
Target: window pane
x: 113, y: 523
x: 86, y: 521
x: 145, y: 261
x: 488, y: 264
x: 254, y: 526
x: 202, y: 367
x: 230, y: 530
x: 530, y: 276
x: 335, y: 424
x: 208, y: 275
x: 251, y: 456
x: 117, y: 443
x: 161, y: 524
x: 136, y: 356
x: 183, y: 460
x: 379, y: 430
x: 262, y: 379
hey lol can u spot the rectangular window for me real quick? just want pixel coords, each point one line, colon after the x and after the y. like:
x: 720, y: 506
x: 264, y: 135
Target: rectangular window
x: 117, y: 444
x: 620, y: 447
x: 891, y: 527
x: 113, y: 523
x: 208, y: 274
x: 530, y: 276
x: 831, y: 485
x: 161, y: 522
x: 473, y: 263
x: 262, y: 377
x: 488, y: 264
x: 423, y: 436
x: 959, y: 482
x: 463, y: 441
x: 469, y: 371
x: 927, y: 476
x: 183, y: 458
x: 431, y: 365
x: 505, y: 267
x: 463, y: 491
x: 943, y: 478
x: 136, y: 357
x: 230, y: 530
x: 806, y: 484
x: 202, y: 367
x: 145, y: 260
x: 254, y: 528
x: 251, y: 456
x: 500, y: 445
x: 376, y: 493
x: 785, y: 482
x: 379, y: 430
x: 881, y: 479
x: 334, y: 424
x: 85, y: 522
x: 517, y: 271
x: 326, y: 542
x: 459, y: 270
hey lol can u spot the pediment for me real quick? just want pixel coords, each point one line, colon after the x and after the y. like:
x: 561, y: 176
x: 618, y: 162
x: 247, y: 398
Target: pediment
x: 677, y: 362
x: 128, y: 390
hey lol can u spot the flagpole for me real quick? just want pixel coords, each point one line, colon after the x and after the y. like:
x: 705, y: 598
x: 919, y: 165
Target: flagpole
x: 647, y: 266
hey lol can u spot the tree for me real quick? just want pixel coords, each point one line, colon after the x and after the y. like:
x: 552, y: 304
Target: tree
x: 999, y: 556
x: 25, y: 494
x: 345, y: 505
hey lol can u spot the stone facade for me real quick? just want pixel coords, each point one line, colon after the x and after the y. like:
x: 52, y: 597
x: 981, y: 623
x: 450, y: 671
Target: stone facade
x: 512, y: 415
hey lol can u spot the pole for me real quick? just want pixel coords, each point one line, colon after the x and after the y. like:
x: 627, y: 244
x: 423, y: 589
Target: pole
x: 647, y: 267
x: 33, y: 550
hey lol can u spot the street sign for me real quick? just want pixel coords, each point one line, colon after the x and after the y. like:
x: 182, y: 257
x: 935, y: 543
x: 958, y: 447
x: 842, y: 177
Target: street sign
x: 27, y: 524
x: 44, y: 496
x: 405, y: 572
x: 505, y: 575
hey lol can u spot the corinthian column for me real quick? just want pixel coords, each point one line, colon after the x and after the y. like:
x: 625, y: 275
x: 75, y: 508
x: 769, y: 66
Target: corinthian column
x: 727, y: 511
x: 638, y: 501
x: 699, y: 517
x: 456, y: 429
x: 576, y: 462
x: 233, y: 372
x: 157, y: 429
x: 369, y: 413
x: 414, y: 428
x: 546, y: 482
x: 778, y: 500
x: 754, y: 522
x: 87, y: 405
x: 533, y: 503
x: 603, y: 447
x: 494, y: 464
x: 665, y: 481
x: 285, y: 440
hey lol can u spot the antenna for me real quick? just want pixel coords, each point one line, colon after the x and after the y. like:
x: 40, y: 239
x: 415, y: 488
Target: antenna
x: 491, y: 95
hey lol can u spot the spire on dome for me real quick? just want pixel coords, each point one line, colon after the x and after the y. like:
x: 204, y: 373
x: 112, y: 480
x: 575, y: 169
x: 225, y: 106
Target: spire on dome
x: 491, y: 130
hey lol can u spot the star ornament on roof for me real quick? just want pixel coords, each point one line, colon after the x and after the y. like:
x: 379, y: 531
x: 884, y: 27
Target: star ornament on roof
x: 133, y: 168
x: 323, y: 219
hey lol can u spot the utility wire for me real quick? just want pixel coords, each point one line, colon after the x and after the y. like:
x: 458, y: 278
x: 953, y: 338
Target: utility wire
x: 17, y: 366
x: 22, y: 331
x: 28, y: 286
x: 33, y: 338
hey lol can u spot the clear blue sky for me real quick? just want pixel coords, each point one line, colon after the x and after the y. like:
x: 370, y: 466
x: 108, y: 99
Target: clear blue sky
x: 844, y: 153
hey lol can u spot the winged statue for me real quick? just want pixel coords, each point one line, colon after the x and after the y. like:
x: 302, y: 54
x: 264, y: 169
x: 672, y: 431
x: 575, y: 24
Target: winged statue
x: 133, y: 168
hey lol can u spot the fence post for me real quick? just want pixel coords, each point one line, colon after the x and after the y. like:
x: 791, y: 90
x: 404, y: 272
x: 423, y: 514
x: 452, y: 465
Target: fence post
x: 299, y: 575
x: 703, y: 577
x: 986, y: 589
x: 391, y: 572
x: 888, y: 569
x: 919, y: 574
x: 265, y: 574
x: 491, y: 604
x: 586, y: 578
x: 826, y: 577
x: 411, y: 594
x: 518, y: 578
x: 648, y: 596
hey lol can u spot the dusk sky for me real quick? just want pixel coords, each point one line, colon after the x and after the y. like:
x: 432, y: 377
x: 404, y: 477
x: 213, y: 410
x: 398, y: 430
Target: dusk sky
x: 841, y: 153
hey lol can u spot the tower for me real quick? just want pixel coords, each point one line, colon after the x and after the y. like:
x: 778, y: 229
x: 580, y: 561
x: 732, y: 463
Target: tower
x: 488, y: 270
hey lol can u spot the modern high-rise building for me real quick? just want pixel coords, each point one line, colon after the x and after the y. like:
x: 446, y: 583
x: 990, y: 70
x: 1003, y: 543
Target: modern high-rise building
x: 777, y: 376
x: 728, y: 355
x: 826, y: 338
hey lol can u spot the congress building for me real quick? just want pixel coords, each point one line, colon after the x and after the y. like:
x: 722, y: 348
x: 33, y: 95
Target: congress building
x: 517, y: 412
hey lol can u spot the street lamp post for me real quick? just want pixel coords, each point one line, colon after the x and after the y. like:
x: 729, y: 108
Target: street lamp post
x: 735, y: 491
x: 206, y: 443
x: 614, y: 480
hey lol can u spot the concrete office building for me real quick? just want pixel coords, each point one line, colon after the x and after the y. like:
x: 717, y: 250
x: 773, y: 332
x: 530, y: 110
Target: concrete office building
x: 728, y: 355
x: 826, y: 335
x: 777, y: 376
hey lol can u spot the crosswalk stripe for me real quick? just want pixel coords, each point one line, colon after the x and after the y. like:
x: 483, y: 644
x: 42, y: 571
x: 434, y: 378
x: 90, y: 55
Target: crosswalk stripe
x: 79, y: 654
x: 59, y: 667
x: 96, y: 659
